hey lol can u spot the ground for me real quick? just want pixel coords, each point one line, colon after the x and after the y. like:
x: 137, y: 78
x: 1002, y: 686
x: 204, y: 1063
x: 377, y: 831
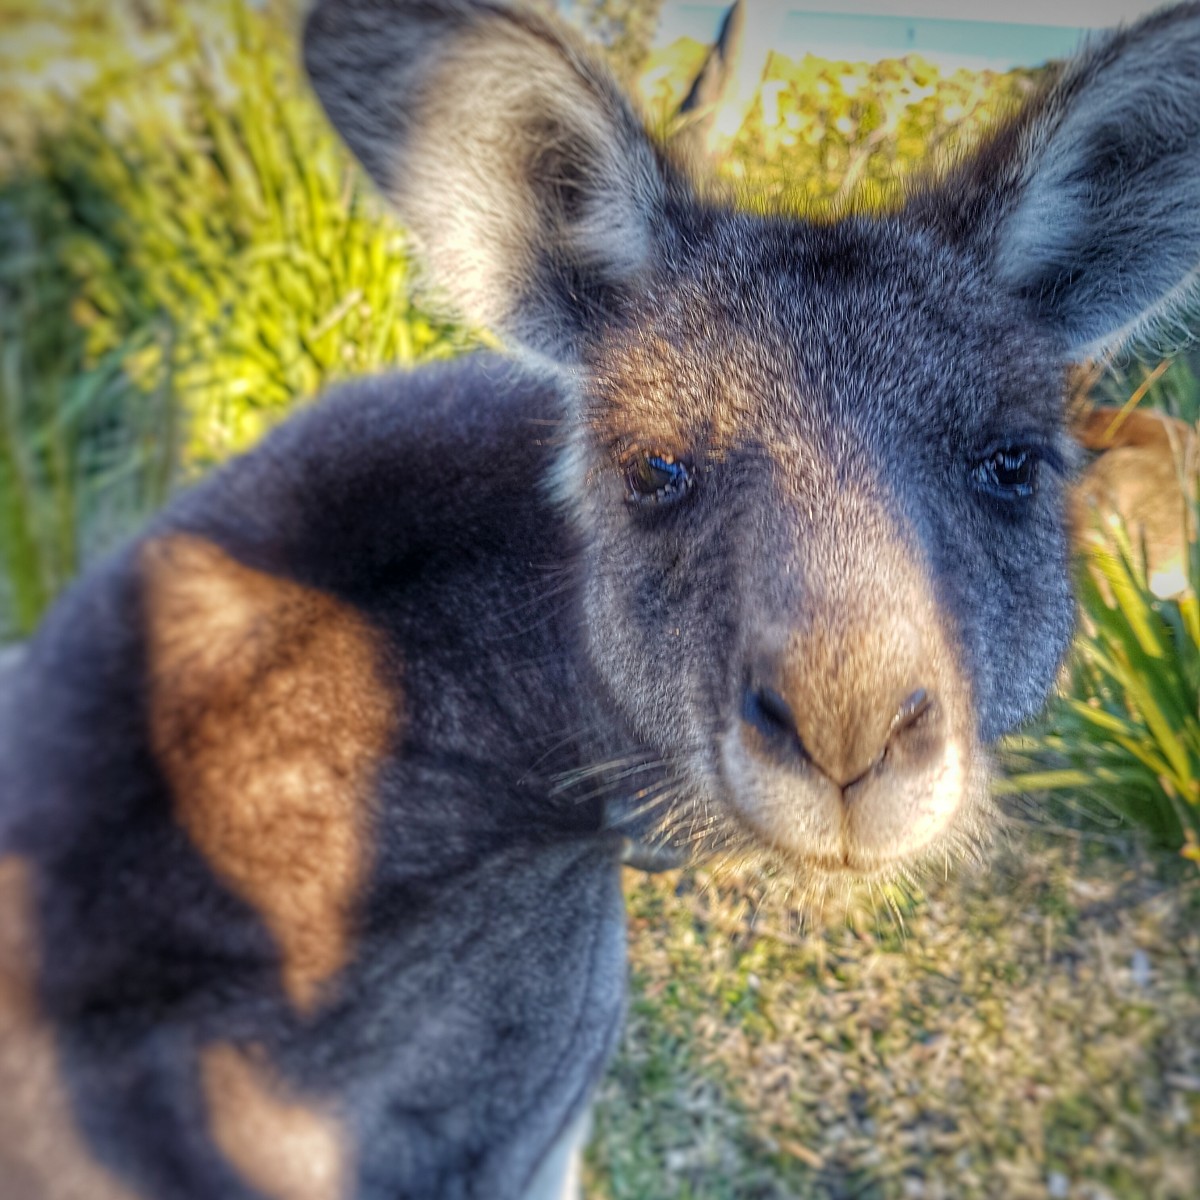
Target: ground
x: 1029, y: 1029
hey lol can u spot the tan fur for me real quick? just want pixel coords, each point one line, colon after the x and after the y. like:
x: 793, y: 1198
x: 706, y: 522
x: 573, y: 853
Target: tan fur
x: 860, y: 810
x: 42, y: 1153
x: 268, y: 716
x: 1144, y: 475
x: 285, y: 1148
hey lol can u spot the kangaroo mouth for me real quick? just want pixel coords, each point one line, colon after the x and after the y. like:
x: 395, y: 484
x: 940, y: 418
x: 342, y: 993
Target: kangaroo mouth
x: 895, y: 816
x: 891, y: 818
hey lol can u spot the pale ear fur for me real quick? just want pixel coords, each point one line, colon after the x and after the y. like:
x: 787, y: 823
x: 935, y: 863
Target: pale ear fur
x: 1088, y: 203
x: 516, y: 161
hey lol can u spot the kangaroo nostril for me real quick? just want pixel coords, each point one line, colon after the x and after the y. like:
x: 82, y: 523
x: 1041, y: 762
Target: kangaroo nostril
x: 916, y: 730
x: 915, y: 708
x: 770, y: 714
x: 845, y: 746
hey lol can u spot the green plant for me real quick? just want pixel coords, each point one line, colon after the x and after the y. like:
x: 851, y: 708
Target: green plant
x: 1172, y: 386
x: 185, y: 253
x: 1122, y: 738
x: 235, y: 213
x: 1125, y: 732
x: 83, y: 454
x: 825, y: 135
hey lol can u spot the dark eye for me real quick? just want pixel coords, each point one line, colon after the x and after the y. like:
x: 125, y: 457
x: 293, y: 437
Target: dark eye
x: 1008, y: 474
x: 656, y: 478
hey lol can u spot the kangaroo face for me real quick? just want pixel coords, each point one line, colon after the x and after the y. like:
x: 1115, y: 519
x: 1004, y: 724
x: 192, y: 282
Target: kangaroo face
x: 818, y: 469
x: 822, y: 497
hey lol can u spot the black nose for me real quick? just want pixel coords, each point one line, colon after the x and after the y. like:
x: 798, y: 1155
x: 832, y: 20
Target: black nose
x: 844, y: 746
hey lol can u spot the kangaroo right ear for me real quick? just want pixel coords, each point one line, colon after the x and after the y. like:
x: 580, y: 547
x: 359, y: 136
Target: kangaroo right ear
x: 1088, y: 203
x: 513, y: 158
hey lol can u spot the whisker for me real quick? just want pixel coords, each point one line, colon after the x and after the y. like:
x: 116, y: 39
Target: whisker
x: 619, y: 768
x: 661, y: 797
x: 609, y: 787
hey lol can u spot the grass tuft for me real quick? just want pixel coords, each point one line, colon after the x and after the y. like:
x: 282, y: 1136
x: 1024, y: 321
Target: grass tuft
x: 186, y: 253
x: 1122, y: 737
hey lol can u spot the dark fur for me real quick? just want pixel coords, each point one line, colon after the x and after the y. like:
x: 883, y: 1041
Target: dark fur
x: 560, y: 662
x: 490, y: 936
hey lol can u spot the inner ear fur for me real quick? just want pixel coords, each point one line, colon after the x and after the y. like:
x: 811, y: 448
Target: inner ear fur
x: 1087, y: 203
x: 516, y: 161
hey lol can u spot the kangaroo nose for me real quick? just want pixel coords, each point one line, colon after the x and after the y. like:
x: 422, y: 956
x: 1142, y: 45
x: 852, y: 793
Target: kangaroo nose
x: 843, y: 741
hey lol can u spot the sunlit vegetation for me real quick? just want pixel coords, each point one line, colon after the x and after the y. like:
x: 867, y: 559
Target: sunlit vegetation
x: 1123, y: 735
x: 185, y: 253
x: 824, y: 136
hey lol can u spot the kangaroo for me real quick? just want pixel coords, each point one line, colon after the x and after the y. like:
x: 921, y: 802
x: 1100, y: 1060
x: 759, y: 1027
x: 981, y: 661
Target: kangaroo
x: 1144, y: 474
x: 315, y: 794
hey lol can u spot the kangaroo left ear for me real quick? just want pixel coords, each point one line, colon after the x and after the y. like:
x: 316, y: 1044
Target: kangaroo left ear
x: 529, y: 181
x: 1088, y: 202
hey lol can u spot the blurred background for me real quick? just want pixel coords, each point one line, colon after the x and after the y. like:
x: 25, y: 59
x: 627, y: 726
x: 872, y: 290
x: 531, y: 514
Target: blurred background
x: 186, y: 254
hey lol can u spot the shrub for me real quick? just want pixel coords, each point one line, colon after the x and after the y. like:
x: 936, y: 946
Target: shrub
x: 244, y: 222
x: 1124, y: 732
x: 185, y: 252
x: 827, y: 135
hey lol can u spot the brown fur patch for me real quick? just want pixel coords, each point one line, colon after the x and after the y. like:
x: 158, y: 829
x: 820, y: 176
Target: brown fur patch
x: 43, y: 1156
x: 286, y: 1149
x: 269, y: 718
x: 1145, y: 474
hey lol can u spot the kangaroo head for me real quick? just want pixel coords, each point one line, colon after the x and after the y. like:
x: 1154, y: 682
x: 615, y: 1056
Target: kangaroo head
x: 819, y: 470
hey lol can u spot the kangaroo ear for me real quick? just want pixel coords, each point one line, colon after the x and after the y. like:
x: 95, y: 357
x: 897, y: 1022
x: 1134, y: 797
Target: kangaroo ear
x: 514, y: 159
x: 1088, y: 203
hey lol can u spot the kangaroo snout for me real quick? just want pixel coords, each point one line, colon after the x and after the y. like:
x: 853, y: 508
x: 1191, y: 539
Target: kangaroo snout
x: 852, y: 729
x: 843, y: 728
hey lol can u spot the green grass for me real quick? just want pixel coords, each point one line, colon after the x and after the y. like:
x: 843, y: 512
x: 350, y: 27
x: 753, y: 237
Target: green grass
x: 234, y: 214
x: 83, y: 454
x: 1174, y: 387
x: 825, y: 135
x: 1125, y: 733
x: 186, y: 254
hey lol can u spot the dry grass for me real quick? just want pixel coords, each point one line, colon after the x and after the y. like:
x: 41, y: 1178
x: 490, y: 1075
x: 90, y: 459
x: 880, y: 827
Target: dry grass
x: 1031, y: 1032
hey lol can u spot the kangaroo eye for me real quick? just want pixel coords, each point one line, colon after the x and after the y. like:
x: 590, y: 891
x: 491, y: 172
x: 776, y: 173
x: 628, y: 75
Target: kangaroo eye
x: 1008, y: 474
x: 657, y: 478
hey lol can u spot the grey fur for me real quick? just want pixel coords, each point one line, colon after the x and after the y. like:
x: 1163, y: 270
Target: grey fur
x: 835, y: 385
x: 10, y: 657
x: 458, y: 1044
